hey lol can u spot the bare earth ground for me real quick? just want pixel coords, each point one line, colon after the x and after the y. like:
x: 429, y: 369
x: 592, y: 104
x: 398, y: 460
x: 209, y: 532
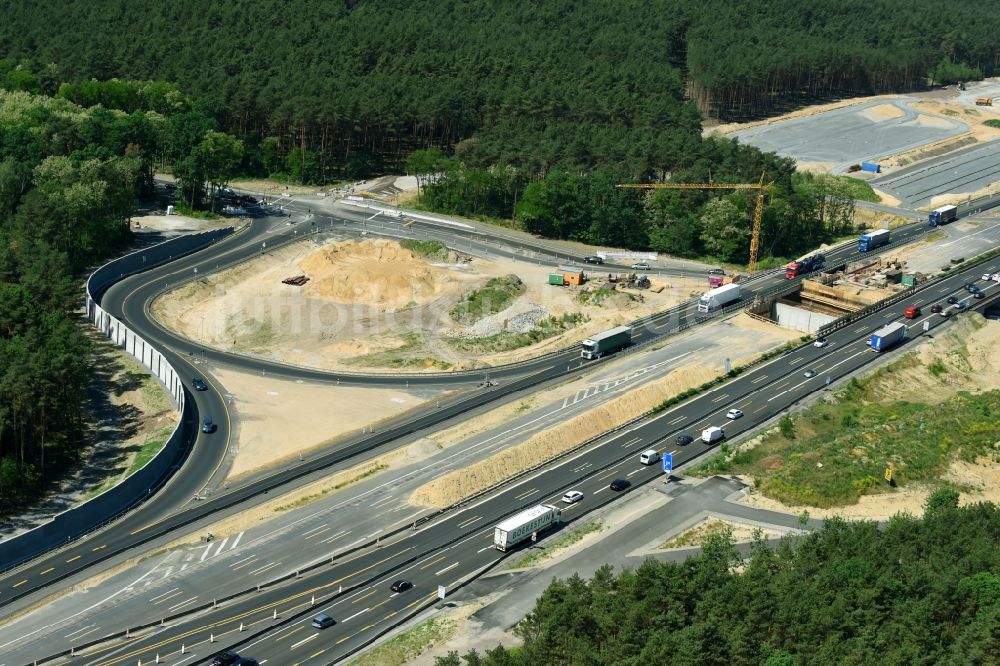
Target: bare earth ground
x: 375, y: 306
x: 175, y: 223
x: 729, y: 128
x: 968, y: 352
x: 279, y: 419
x: 698, y: 533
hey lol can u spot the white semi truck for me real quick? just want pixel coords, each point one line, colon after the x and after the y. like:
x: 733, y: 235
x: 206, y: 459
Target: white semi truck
x: 519, y: 527
x: 719, y: 297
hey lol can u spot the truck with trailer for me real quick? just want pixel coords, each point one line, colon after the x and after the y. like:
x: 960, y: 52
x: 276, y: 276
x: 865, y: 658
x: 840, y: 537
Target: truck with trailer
x: 719, y: 297
x: 521, y: 526
x: 607, y: 342
x: 984, y: 101
x: 873, y: 240
x: 942, y: 215
x: 806, y: 265
x: 887, y: 336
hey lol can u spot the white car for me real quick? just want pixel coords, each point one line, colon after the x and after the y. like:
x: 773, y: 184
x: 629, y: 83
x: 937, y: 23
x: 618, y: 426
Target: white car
x: 996, y: 277
x: 572, y: 497
x: 734, y: 414
x: 987, y: 276
x: 641, y: 266
x: 821, y: 342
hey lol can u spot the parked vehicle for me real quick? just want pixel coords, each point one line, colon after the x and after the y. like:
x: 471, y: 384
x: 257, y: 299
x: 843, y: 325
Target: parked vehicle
x: 712, y: 434
x: 804, y: 265
x: 607, y: 342
x: 572, y: 497
x: 912, y: 311
x: 942, y: 215
x: 984, y: 101
x: 718, y: 297
x: 887, y: 336
x: 650, y: 457
x: 873, y: 240
x: 521, y: 526
x: 619, y: 485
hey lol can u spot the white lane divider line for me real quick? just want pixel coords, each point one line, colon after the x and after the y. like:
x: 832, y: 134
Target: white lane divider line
x: 236, y: 541
x: 303, y: 641
x: 448, y: 568
x: 208, y: 547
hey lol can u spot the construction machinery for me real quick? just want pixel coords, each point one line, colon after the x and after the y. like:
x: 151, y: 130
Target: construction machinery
x: 760, y: 187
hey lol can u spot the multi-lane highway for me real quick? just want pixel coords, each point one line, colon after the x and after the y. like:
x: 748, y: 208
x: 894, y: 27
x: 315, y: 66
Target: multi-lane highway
x: 174, y: 507
x: 355, y: 588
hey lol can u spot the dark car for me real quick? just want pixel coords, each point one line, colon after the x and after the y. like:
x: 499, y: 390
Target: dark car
x: 594, y: 259
x: 199, y: 384
x: 401, y: 586
x: 936, y: 308
x: 226, y: 658
x: 620, y: 484
x: 246, y: 661
x: 972, y: 287
x: 809, y: 374
x: 322, y: 621
x: 952, y: 300
x: 716, y: 271
x: 978, y: 294
x: 684, y: 440
x: 208, y: 425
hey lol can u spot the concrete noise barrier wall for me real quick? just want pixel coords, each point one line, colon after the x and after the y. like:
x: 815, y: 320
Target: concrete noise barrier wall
x: 115, y: 501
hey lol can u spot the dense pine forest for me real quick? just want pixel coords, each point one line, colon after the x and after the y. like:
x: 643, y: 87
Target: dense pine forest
x: 920, y: 591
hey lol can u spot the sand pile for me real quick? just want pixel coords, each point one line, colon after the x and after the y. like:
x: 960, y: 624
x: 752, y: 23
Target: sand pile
x: 378, y: 273
x: 452, y: 487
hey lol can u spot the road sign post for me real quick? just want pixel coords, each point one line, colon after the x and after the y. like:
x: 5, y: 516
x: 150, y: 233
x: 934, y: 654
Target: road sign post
x: 441, y: 591
x: 668, y: 462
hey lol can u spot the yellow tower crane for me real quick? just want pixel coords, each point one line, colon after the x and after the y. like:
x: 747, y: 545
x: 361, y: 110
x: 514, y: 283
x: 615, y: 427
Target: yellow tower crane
x: 760, y: 187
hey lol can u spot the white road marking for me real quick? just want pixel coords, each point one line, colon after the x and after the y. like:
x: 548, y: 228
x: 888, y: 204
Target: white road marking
x: 157, y: 597
x: 236, y: 540
x: 449, y: 568
x: 303, y: 641
x: 205, y: 554
x: 222, y: 545
x: 183, y: 603
x: 347, y: 619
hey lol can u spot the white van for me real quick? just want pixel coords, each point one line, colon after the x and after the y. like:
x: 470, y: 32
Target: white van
x: 650, y: 457
x: 712, y: 434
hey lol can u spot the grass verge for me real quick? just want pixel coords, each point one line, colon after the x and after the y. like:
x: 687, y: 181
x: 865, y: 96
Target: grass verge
x: 839, y: 449
x: 565, y: 541
x: 508, y: 340
x: 187, y: 211
x: 992, y: 122
x: 409, y: 644
x: 498, y: 293
x: 697, y: 535
x: 428, y: 248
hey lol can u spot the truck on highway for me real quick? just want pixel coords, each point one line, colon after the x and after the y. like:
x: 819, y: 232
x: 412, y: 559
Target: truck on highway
x: 718, y: 297
x: 806, y: 265
x: 607, y: 342
x: 519, y: 527
x: 942, y: 215
x: 887, y: 336
x: 873, y: 240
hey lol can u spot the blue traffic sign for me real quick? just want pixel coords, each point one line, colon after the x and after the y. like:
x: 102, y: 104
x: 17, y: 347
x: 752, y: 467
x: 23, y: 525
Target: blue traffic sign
x: 668, y: 462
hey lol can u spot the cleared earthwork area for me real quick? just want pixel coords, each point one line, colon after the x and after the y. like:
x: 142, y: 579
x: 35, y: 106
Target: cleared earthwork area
x: 375, y: 305
x: 851, y: 134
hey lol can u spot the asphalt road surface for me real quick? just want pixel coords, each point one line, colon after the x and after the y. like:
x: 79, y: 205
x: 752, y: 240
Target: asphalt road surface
x: 273, y: 624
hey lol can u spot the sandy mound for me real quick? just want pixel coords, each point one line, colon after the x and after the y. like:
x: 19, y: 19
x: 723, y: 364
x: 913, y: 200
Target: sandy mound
x: 881, y: 112
x: 452, y: 487
x: 378, y: 273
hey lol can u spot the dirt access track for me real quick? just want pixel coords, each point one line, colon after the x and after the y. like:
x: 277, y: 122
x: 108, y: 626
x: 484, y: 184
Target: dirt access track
x: 376, y: 306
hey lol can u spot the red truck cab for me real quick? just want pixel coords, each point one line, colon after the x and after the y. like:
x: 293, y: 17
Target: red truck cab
x: 912, y: 311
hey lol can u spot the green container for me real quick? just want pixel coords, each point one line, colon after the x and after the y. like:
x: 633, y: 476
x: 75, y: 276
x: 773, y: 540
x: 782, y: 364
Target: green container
x: 909, y: 280
x: 556, y: 278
